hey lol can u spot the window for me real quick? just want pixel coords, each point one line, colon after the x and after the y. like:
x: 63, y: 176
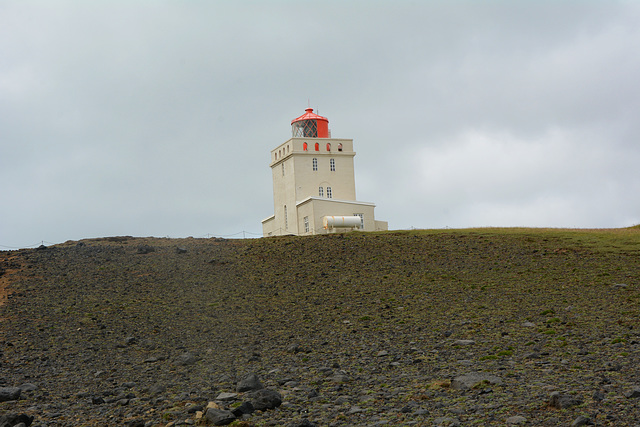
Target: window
x: 306, y: 224
x: 329, y: 195
x: 320, y: 192
x: 315, y: 164
x: 361, y: 220
x: 328, y: 146
x: 317, y: 146
x: 340, y: 147
x: 286, y: 220
x: 305, y: 146
x: 282, y: 168
x: 332, y: 164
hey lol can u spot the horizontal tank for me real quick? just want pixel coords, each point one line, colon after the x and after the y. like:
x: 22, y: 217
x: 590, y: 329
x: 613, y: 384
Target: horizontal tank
x: 341, y: 222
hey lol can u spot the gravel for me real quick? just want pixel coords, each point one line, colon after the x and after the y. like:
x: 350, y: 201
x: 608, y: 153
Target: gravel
x: 406, y: 328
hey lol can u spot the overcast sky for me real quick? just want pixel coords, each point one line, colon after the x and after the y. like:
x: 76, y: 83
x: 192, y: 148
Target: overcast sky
x: 157, y: 118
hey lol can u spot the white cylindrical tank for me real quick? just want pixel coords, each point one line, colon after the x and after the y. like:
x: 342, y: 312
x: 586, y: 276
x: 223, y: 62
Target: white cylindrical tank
x: 341, y: 222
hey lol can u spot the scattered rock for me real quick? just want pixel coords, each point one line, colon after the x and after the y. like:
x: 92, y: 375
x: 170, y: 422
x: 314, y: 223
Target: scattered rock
x: 303, y: 423
x: 516, y: 420
x: 464, y: 342
x: 562, y: 401
x: 28, y: 387
x: 226, y: 396
x: 245, y: 408
x: 581, y: 421
x: 157, y: 389
x: 474, y: 380
x: 382, y: 353
x: 11, y: 420
x: 634, y: 393
x: 145, y: 249
x: 295, y: 348
x: 340, y: 378
x: 265, y: 399
x: 249, y: 383
x: 219, y: 417
x: 446, y: 422
x: 180, y: 250
x: 186, y: 359
x: 97, y: 400
x: 9, y: 393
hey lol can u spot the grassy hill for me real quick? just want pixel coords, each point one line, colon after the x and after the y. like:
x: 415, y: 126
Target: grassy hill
x: 351, y: 329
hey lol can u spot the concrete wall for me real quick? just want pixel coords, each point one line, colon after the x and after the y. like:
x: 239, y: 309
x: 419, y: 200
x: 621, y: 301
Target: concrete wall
x: 297, y: 180
x: 296, y: 186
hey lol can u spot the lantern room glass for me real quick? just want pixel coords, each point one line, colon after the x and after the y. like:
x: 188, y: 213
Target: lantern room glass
x: 305, y: 129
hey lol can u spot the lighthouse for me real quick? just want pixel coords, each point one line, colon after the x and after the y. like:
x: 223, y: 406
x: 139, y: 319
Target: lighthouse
x: 314, y: 189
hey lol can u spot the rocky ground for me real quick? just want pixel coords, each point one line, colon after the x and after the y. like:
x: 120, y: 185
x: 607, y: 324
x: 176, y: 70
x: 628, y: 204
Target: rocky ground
x: 468, y: 328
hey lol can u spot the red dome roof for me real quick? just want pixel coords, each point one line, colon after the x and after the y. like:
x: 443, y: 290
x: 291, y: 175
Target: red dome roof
x: 309, y: 115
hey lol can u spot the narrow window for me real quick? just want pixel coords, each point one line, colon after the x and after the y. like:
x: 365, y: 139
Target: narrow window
x: 282, y: 168
x: 286, y: 220
x: 328, y: 146
x: 317, y: 146
x: 329, y: 195
x: 320, y: 192
x: 306, y: 224
x: 315, y: 164
x: 332, y: 164
x: 305, y: 146
x: 340, y: 147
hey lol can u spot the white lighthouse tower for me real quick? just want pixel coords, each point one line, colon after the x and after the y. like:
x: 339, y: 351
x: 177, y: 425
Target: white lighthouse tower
x: 314, y: 188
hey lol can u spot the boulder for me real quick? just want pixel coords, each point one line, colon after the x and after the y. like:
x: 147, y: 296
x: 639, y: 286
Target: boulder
x: 265, y: 399
x: 245, y: 408
x: 249, y: 383
x: 9, y: 393
x: 11, y: 420
x: 219, y: 417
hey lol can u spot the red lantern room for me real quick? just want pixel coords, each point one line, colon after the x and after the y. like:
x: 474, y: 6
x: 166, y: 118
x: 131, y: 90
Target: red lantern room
x: 310, y: 125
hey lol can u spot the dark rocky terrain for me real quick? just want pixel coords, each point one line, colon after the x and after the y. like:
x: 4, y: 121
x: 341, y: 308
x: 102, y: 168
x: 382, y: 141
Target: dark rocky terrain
x: 468, y: 327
